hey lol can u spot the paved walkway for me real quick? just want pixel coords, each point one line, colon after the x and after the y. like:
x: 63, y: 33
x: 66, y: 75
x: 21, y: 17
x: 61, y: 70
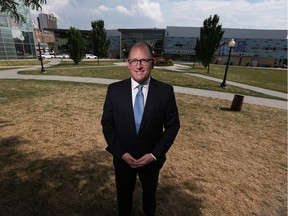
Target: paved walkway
x: 12, y: 74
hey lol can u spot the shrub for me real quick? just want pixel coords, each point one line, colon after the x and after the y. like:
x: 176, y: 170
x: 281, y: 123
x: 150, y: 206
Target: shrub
x: 163, y: 61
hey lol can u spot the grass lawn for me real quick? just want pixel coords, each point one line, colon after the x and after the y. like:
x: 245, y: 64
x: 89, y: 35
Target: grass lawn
x: 28, y: 62
x: 269, y: 78
x: 53, y: 160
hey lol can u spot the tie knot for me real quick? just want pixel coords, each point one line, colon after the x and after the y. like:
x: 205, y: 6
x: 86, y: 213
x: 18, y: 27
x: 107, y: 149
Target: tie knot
x: 140, y: 88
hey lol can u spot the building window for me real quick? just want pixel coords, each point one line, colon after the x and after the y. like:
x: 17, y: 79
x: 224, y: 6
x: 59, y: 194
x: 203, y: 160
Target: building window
x: 3, y: 21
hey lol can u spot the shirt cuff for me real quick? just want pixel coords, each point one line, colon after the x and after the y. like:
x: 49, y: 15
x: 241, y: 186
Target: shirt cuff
x: 153, y: 157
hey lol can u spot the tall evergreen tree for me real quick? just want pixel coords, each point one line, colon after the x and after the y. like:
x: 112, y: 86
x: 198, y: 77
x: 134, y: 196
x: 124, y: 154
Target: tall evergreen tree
x: 10, y: 7
x: 100, y: 42
x: 75, y: 45
x: 210, y: 36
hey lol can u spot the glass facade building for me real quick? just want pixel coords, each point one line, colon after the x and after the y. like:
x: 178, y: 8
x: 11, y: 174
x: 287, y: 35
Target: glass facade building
x: 16, y: 39
x: 154, y: 37
x: 114, y: 37
x: 253, y: 46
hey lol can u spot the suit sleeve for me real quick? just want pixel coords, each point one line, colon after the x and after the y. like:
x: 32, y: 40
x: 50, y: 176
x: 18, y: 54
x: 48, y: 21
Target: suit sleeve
x: 108, y: 126
x: 171, y: 127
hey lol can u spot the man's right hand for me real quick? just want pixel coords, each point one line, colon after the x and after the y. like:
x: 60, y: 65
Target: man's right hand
x: 128, y: 159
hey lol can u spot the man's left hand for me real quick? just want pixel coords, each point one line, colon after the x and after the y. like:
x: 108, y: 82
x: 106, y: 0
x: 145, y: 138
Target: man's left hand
x: 143, y: 161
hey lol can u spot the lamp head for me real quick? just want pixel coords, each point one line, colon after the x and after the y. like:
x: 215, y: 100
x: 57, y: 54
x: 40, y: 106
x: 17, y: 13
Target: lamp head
x: 231, y: 43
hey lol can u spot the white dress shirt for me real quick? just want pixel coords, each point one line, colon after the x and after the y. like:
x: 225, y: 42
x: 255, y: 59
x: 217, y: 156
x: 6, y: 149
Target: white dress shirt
x: 134, y: 89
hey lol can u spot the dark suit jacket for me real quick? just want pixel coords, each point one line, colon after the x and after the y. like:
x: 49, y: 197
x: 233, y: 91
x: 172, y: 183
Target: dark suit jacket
x: 159, y: 126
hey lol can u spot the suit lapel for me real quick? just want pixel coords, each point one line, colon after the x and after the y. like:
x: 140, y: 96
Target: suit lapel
x: 127, y: 101
x: 151, y: 99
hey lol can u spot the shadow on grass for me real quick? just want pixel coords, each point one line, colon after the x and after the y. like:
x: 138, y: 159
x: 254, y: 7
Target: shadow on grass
x: 68, y: 185
x: 74, y: 185
x: 4, y: 123
x: 178, y: 202
x: 224, y: 109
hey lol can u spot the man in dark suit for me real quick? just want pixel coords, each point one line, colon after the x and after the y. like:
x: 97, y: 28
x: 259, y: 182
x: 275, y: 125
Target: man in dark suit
x: 140, y: 122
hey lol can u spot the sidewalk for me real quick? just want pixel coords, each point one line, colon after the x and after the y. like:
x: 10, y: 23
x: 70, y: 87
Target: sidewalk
x: 244, y: 86
x: 12, y: 74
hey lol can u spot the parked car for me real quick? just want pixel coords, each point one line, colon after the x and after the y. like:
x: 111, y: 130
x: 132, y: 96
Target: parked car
x: 65, y: 56
x: 62, y: 56
x: 90, y: 56
x: 47, y: 56
x: 58, y: 56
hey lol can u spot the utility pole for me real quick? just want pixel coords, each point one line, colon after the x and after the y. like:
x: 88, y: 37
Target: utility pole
x: 40, y: 53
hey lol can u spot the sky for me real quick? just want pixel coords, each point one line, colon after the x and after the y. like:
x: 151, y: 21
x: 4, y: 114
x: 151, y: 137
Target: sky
x: 247, y: 14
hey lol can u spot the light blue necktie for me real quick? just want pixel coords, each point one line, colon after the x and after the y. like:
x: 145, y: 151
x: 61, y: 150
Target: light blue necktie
x: 138, y: 107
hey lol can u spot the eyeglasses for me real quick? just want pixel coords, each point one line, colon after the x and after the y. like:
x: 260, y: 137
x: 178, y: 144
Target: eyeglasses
x: 134, y: 62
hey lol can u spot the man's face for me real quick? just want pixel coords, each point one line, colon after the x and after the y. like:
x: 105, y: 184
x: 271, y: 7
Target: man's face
x: 140, y: 70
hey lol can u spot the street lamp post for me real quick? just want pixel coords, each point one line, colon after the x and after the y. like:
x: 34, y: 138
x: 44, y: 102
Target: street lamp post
x: 40, y: 57
x: 123, y: 55
x: 231, y: 45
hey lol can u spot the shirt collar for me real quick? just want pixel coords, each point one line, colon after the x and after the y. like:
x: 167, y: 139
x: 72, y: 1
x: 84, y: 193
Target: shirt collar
x: 135, y: 84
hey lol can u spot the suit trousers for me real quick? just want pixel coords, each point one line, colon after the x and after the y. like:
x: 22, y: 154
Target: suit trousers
x: 125, y: 184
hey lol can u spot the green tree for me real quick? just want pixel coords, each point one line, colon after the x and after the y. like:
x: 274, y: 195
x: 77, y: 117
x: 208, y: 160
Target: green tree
x: 75, y: 45
x: 100, y: 42
x: 10, y: 7
x: 210, y: 36
x: 51, y: 46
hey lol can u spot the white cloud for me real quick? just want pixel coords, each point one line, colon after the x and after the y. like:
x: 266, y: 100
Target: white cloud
x: 269, y: 14
x: 103, y: 8
x: 150, y: 10
x: 55, y: 7
x: 259, y: 14
x: 123, y: 10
